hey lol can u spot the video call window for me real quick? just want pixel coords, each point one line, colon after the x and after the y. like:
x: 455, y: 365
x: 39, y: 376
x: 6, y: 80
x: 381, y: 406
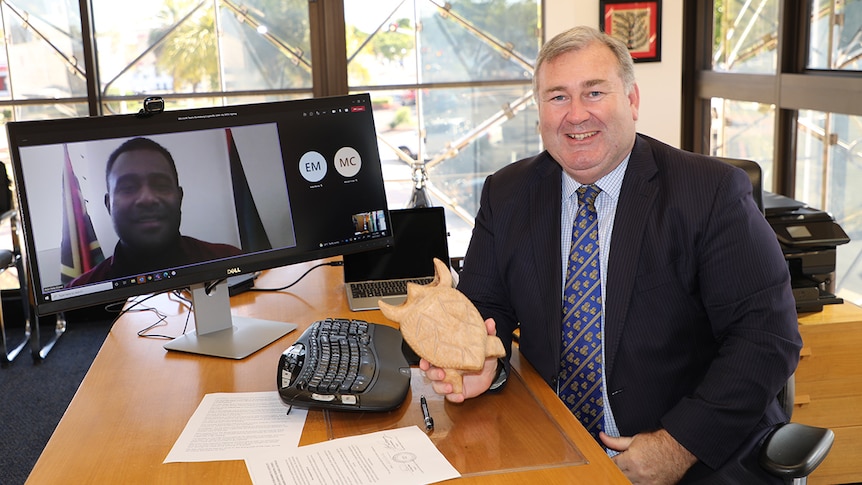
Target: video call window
x: 257, y: 186
x: 209, y: 196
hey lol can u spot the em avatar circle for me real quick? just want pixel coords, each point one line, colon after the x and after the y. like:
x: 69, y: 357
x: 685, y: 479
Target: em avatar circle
x: 312, y: 166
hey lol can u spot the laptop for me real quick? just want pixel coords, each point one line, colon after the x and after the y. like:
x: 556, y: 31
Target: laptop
x: 382, y: 274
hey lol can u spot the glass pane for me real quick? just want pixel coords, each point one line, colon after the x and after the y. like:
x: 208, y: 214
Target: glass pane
x: 478, y: 41
x: 835, y: 35
x: 179, y: 46
x: 742, y: 129
x: 469, y: 133
x: 745, y: 36
x: 47, y: 111
x: 171, y: 104
x: 381, y: 43
x: 44, y: 54
x: 265, y: 44
x: 454, y: 137
x: 468, y: 41
x: 811, y: 159
x: 828, y: 166
x: 476, y: 137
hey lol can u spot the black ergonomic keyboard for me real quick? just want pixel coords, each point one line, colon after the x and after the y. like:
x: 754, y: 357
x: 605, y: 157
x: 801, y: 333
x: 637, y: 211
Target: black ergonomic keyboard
x: 385, y: 287
x: 345, y: 364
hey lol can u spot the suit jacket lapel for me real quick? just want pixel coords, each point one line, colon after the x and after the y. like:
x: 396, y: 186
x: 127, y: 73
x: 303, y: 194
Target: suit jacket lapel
x: 637, y: 197
x: 545, y: 202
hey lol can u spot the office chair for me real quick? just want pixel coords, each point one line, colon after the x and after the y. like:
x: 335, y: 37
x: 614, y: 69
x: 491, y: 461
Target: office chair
x: 16, y: 258
x: 38, y: 349
x: 794, y: 450
x: 791, y: 450
x: 8, y: 260
x: 752, y: 169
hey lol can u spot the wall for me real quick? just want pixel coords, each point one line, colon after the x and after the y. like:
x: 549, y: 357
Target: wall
x: 660, y: 83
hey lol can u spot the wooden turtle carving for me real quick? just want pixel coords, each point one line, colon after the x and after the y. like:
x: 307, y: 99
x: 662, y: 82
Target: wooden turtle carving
x: 443, y: 327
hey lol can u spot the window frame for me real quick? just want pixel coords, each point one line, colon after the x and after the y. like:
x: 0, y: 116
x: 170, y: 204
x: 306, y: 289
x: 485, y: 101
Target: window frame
x: 791, y: 88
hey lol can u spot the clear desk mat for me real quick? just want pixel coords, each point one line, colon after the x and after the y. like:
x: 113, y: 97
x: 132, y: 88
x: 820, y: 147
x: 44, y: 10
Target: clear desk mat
x: 497, y: 432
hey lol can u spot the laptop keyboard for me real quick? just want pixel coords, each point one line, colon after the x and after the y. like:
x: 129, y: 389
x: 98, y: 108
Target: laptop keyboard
x: 385, y: 288
x: 345, y: 364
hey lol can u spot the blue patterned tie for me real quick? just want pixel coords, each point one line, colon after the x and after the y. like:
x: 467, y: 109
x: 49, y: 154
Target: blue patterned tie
x: 581, y: 363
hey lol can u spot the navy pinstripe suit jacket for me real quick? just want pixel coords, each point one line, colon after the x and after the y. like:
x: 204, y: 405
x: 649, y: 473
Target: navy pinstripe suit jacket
x: 700, y: 321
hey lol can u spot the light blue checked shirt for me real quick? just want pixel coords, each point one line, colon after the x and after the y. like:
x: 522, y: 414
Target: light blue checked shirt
x: 606, y: 207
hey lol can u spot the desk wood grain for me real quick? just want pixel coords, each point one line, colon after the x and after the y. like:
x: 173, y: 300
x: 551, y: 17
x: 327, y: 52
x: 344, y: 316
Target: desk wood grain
x: 827, y: 387
x: 137, y: 397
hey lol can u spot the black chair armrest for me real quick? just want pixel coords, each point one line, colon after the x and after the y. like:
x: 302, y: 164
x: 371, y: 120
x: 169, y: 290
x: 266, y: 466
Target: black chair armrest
x: 794, y: 450
x: 7, y: 257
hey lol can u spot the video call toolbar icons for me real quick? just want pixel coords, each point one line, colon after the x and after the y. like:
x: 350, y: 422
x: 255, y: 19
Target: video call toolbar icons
x: 143, y: 279
x: 357, y: 106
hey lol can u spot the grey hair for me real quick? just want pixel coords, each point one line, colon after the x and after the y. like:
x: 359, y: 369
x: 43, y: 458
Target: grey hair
x: 578, y: 38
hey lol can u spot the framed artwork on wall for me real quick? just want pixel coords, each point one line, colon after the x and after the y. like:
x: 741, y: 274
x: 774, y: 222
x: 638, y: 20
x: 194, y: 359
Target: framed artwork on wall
x: 637, y: 24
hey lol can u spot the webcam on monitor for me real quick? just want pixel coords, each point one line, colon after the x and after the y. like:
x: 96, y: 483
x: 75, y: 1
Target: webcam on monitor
x: 152, y: 105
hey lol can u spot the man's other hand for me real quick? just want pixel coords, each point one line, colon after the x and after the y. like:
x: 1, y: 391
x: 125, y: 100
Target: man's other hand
x: 650, y: 458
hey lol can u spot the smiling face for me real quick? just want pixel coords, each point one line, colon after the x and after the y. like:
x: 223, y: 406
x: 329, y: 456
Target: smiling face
x: 144, y: 200
x: 586, y: 117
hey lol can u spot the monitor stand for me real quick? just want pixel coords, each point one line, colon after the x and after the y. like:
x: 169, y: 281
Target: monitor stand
x: 218, y: 333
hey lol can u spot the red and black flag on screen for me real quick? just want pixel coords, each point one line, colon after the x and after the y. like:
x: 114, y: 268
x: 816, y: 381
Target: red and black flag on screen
x: 80, y: 250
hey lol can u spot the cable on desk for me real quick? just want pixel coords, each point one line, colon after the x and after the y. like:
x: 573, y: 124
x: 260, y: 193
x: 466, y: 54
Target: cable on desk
x: 208, y: 288
x: 161, y: 317
x: 330, y: 263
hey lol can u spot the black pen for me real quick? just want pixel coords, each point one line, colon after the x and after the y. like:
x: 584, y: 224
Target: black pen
x: 429, y: 421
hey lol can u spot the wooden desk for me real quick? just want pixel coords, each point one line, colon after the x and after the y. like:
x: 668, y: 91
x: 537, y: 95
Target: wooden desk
x: 137, y: 398
x: 827, y: 387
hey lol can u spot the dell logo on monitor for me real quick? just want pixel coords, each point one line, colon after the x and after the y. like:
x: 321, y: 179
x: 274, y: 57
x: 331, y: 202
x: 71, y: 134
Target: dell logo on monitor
x: 236, y: 270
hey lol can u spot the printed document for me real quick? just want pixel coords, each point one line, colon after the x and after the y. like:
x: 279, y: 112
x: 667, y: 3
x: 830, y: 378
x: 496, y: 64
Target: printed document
x: 405, y: 456
x: 234, y: 426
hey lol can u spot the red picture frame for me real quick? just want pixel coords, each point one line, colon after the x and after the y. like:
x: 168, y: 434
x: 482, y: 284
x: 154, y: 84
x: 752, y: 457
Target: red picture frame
x: 637, y: 24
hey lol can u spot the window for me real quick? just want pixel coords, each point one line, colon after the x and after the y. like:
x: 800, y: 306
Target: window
x: 828, y: 167
x: 745, y: 36
x: 201, y: 53
x: 50, y: 32
x: 452, y: 84
x: 779, y: 82
x: 835, y: 43
x: 450, y: 80
x: 743, y: 129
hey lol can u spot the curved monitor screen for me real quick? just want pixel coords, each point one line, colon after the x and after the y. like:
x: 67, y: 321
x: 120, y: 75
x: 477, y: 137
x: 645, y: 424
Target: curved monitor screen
x: 122, y: 205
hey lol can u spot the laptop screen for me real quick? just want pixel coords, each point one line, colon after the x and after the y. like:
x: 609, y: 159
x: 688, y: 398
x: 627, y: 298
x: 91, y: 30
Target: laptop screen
x: 419, y: 236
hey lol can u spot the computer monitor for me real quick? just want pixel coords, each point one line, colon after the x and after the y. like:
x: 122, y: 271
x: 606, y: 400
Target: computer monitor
x: 251, y: 187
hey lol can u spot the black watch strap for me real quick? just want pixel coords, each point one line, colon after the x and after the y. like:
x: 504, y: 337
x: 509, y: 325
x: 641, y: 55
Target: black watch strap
x: 500, y: 377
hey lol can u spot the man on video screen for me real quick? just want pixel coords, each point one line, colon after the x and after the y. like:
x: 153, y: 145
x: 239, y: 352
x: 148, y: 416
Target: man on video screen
x: 144, y: 198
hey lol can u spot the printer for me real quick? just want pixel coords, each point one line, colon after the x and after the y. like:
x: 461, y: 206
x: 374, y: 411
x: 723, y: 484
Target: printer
x: 809, y: 238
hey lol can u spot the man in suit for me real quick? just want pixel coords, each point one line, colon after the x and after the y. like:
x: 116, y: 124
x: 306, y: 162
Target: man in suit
x: 698, y: 324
